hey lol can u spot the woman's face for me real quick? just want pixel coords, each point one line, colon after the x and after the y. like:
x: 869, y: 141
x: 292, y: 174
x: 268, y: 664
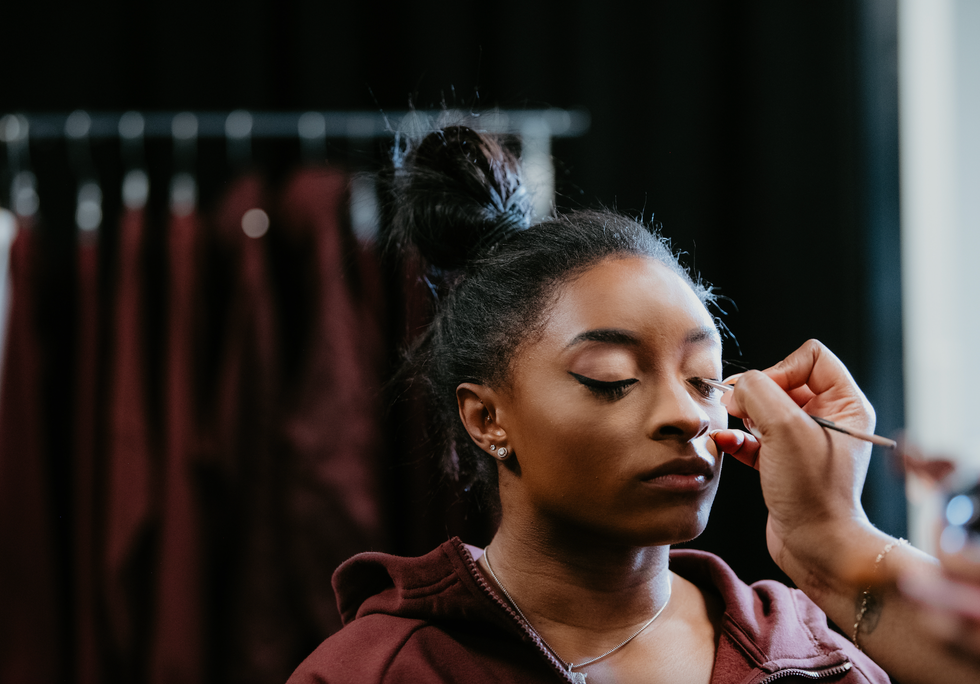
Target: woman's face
x: 604, y: 414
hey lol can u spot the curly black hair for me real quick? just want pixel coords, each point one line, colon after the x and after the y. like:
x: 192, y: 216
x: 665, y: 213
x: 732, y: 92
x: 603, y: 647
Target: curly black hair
x: 460, y: 200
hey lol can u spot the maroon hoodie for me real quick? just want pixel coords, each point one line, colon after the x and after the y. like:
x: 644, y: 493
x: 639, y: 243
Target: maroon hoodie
x: 435, y: 619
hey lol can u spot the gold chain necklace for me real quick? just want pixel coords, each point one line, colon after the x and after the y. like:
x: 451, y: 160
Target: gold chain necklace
x: 577, y: 677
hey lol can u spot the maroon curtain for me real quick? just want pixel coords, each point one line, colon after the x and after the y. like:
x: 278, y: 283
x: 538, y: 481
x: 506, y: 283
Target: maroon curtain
x: 229, y: 445
x: 130, y: 508
x: 177, y: 642
x: 87, y: 467
x: 30, y: 628
x: 331, y: 440
x: 256, y: 629
x: 299, y: 395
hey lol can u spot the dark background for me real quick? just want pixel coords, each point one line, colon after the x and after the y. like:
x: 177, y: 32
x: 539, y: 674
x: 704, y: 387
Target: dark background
x: 763, y: 134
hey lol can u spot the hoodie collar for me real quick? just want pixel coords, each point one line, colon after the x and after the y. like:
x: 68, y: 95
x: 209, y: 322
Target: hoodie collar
x: 772, y: 626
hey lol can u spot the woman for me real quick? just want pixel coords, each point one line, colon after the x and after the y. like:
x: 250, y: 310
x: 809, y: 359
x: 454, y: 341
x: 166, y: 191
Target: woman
x: 566, y: 363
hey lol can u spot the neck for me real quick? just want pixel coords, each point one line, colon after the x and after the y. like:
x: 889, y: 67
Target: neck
x: 578, y: 581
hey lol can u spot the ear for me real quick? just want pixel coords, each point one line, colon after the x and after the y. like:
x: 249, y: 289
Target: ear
x: 478, y: 411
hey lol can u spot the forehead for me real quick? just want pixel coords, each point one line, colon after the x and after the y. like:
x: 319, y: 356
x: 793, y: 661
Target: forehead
x: 637, y: 294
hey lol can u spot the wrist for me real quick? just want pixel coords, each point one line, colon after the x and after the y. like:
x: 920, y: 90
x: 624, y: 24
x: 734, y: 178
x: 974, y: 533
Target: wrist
x: 832, y: 562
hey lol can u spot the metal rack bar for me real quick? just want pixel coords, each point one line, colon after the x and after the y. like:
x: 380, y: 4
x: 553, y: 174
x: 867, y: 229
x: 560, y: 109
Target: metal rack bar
x: 556, y: 123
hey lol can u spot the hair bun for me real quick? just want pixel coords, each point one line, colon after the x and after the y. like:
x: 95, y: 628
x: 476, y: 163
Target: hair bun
x: 457, y: 193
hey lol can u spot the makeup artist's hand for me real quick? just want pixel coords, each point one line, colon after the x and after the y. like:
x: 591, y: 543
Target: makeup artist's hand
x: 817, y: 531
x: 949, y: 600
x: 811, y: 478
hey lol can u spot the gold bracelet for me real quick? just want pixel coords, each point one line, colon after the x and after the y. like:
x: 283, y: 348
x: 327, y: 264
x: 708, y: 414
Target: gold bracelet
x: 867, y: 592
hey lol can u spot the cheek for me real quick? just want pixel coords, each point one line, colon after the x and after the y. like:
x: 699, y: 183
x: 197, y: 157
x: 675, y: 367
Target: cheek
x: 558, y: 430
x: 566, y: 441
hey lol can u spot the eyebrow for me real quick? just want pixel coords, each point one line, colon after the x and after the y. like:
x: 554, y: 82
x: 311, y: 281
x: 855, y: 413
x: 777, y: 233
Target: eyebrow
x: 606, y: 335
x: 629, y: 339
x: 703, y: 334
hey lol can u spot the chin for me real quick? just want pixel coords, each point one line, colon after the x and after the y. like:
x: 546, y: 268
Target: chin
x: 693, y: 532
x: 679, y: 526
x: 665, y: 530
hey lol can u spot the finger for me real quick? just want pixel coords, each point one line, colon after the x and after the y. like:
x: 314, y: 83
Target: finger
x: 739, y: 444
x: 819, y: 383
x: 801, y: 395
x: 750, y: 426
x: 967, y: 641
x: 813, y: 365
x: 964, y: 565
x: 758, y: 398
x: 742, y: 446
x: 961, y: 638
x: 961, y: 635
x: 942, y: 594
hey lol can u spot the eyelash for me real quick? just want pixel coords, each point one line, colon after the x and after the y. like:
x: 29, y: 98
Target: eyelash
x: 702, y: 388
x: 618, y: 389
x: 606, y: 390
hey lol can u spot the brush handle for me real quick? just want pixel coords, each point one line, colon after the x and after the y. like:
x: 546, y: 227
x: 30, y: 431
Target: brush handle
x: 867, y: 437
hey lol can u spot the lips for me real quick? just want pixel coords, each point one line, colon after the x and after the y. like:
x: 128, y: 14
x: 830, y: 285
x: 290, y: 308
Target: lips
x: 681, y: 466
x: 683, y: 475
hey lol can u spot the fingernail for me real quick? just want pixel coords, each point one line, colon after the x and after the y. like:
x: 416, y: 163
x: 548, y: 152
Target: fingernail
x: 732, y: 379
x: 713, y: 433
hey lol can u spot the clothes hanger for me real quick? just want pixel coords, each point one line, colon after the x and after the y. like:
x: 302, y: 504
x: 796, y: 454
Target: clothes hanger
x: 88, y: 200
x: 15, y: 134
x: 238, y: 138
x: 183, y: 184
x: 312, y: 130
x: 136, y: 182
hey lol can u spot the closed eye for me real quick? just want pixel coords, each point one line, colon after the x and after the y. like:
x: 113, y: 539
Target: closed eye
x: 703, y: 388
x: 611, y: 391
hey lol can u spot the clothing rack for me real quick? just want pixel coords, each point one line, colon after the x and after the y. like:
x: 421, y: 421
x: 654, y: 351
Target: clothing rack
x: 238, y: 128
x: 555, y: 123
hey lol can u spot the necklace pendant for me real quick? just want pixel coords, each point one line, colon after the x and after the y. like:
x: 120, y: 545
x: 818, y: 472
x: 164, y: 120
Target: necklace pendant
x: 577, y: 677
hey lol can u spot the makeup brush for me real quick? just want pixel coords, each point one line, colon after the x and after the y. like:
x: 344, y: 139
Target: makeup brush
x: 829, y: 424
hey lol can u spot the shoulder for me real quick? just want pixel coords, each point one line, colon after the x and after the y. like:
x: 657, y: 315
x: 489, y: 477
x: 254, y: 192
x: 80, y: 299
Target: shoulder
x: 420, y: 620
x: 770, y: 626
x: 363, y: 652
x: 385, y: 649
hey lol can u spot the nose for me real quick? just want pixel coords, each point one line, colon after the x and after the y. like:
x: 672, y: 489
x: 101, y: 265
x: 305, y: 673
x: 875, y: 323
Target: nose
x: 676, y: 414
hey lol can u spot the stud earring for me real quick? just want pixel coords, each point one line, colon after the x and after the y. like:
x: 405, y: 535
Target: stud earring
x: 502, y: 453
